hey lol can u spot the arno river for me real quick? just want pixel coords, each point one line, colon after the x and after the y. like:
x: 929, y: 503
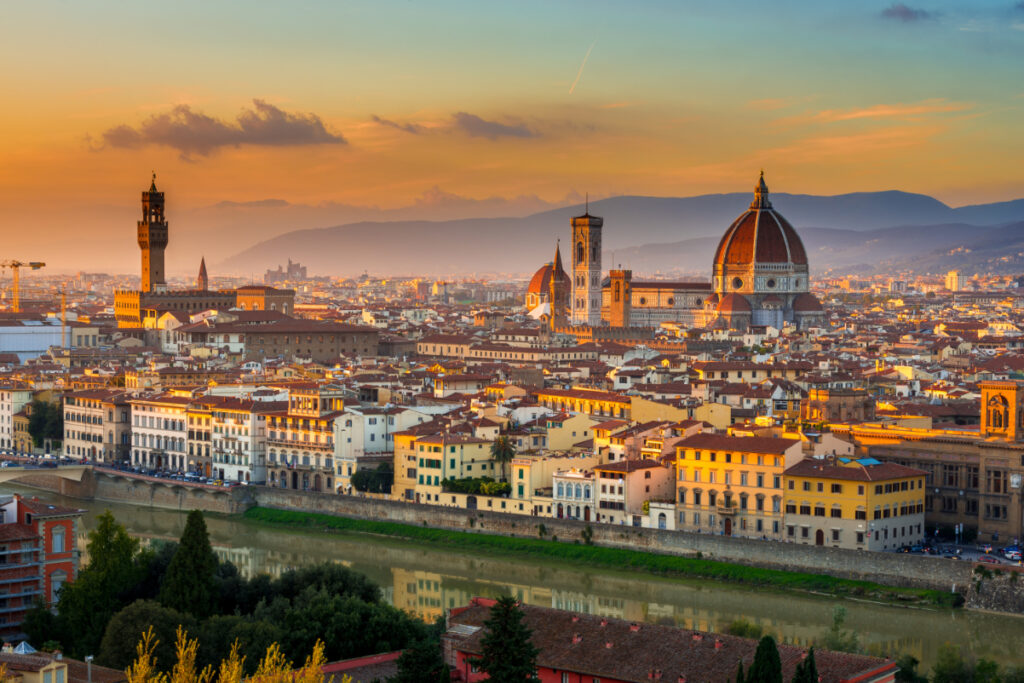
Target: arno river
x: 427, y: 580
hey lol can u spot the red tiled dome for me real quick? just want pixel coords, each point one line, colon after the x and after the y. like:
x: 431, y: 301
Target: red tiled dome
x: 540, y: 283
x: 734, y: 303
x: 807, y: 303
x: 760, y: 235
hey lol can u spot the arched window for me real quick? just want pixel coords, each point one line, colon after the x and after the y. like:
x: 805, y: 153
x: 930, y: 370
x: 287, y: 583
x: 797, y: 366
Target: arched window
x: 586, y: 491
x: 561, y: 490
x: 618, y: 292
x: 581, y: 252
x: 579, y: 491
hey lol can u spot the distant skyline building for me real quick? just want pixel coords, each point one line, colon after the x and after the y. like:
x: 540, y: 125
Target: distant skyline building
x: 956, y: 281
x: 293, y: 273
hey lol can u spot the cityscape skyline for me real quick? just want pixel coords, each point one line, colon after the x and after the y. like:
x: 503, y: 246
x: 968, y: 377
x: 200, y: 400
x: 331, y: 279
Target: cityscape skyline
x: 462, y: 110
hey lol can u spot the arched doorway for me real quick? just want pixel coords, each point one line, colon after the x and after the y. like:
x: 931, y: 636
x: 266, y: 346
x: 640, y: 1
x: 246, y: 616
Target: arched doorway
x: 662, y: 521
x: 728, y: 527
x: 295, y: 480
x: 819, y: 537
x: 316, y: 483
x: 559, y: 510
x: 471, y: 502
x: 586, y: 514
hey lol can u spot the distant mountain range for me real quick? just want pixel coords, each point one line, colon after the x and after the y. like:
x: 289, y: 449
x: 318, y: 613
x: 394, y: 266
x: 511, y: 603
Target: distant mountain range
x: 861, y: 232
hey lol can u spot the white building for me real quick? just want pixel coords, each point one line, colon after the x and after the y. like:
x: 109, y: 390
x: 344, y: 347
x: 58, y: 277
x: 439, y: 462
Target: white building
x: 361, y: 433
x: 573, y: 495
x: 159, y: 432
x: 12, y: 400
x: 239, y: 439
x: 97, y: 425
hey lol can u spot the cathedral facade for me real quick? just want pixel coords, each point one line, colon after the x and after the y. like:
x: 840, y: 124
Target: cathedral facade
x: 759, y: 278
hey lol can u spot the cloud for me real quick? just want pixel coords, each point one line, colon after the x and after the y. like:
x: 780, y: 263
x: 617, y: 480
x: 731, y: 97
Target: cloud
x: 894, y: 111
x: 474, y: 126
x: 1018, y: 26
x: 413, y: 128
x: 905, y: 13
x: 193, y: 132
x: 1020, y: 6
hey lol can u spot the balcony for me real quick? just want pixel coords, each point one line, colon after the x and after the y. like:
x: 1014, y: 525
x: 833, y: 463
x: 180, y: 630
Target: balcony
x: 727, y: 510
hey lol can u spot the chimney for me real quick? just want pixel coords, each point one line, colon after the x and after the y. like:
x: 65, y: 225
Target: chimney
x: 576, y: 638
x: 718, y: 644
x: 575, y: 618
x: 604, y: 622
x: 634, y: 627
x: 608, y: 645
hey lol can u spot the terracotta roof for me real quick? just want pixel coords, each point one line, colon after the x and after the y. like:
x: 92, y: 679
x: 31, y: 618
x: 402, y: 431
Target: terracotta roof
x: 746, y: 444
x: 826, y: 469
x: 617, y: 649
x: 15, y: 531
x: 734, y: 303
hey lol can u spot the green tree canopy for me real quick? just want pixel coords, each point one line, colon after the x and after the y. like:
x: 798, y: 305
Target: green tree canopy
x: 422, y: 663
x: 767, y: 665
x: 189, y: 585
x: 117, y: 649
x: 508, y: 655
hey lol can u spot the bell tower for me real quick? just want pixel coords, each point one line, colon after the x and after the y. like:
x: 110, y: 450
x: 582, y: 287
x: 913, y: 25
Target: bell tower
x: 586, y: 269
x: 153, y: 239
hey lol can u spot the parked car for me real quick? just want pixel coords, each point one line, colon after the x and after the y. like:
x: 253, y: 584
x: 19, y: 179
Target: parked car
x: 988, y: 559
x: 985, y: 548
x: 1012, y: 555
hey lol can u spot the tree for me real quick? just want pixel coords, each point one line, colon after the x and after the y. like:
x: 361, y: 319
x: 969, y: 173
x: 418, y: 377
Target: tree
x: 117, y: 649
x: 806, y: 670
x: 508, y: 655
x: 767, y: 665
x: 45, y: 421
x: 908, y: 670
x: 422, y: 663
x: 374, y: 481
x: 740, y: 678
x: 189, y: 585
x: 503, y: 450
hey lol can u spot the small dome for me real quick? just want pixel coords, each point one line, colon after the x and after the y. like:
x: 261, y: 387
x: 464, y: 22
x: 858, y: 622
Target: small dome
x: 734, y: 303
x: 712, y: 300
x: 807, y: 303
x: 760, y: 235
x: 772, y: 300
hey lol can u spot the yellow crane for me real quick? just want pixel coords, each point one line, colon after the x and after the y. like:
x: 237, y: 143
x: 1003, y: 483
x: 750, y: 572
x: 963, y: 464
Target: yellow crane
x: 16, y: 267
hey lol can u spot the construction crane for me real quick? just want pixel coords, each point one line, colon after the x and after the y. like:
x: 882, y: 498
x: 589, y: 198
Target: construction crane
x: 16, y: 267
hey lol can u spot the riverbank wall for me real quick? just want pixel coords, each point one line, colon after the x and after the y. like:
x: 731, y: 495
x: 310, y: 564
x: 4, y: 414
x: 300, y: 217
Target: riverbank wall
x: 898, y: 569
x: 906, y: 570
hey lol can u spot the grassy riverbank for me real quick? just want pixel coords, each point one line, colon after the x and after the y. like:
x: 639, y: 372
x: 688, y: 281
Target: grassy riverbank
x: 615, y: 558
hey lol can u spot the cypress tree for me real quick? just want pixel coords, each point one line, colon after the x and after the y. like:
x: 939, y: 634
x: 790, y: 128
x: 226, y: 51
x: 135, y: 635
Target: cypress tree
x: 508, y: 655
x: 767, y: 665
x: 189, y: 585
x: 739, y: 672
x: 807, y: 670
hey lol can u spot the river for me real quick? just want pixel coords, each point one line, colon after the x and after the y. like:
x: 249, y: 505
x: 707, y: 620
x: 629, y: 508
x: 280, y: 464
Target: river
x: 427, y: 580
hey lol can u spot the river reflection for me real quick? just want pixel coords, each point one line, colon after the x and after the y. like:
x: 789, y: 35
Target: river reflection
x: 428, y: 580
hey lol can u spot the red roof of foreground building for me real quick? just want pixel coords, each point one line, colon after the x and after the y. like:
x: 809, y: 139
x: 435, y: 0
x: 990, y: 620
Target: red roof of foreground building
x: 617, y: 650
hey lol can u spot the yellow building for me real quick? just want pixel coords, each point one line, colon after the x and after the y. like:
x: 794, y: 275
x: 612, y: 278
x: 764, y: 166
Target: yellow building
x: 447, y: 456
x: 849, y: 503
x: 588, y: 401
x: 732, y: 485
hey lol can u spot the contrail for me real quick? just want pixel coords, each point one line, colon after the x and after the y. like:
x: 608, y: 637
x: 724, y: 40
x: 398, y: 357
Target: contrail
x: 580, y: 73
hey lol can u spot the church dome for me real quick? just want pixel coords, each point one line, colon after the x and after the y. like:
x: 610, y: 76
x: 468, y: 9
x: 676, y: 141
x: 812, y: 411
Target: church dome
x: 760, y: 235
x: 540, y: 283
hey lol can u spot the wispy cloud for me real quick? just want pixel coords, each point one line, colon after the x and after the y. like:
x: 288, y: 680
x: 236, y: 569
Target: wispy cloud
x: 413, y: 128
x: 895, y: 111
x: 579, y: 74
x: 905, y: 13
x: 474, y: 126
x: 615, y: 105
x: 193, y: 132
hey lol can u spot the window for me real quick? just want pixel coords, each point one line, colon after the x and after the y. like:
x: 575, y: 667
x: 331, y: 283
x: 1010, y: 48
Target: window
x: 837, y: 488
x: 57, y: 540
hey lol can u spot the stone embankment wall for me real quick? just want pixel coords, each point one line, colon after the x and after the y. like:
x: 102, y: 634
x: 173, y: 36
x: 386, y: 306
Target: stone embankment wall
x: 888, y: 568
x: 997, y: 590
x: 167, y: 494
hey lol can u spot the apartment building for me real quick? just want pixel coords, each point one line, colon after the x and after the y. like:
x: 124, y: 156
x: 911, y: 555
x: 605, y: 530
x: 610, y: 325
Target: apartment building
x: 97, y: 425
x: 159, y: 432
x: 300, y: 440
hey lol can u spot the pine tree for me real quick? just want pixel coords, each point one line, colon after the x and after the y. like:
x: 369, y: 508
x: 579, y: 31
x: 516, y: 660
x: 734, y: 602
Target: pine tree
x: 767, y: 666
x: 807, y: 670
x: 422, y: 663
x: 189, y: 584
x: 508, y: 655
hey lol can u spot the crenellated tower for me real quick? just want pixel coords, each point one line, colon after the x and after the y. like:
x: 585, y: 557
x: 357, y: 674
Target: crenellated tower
x: 153, y: 239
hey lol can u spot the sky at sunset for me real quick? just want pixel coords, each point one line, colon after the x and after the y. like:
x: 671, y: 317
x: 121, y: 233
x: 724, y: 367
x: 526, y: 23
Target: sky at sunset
x: 444, y: 109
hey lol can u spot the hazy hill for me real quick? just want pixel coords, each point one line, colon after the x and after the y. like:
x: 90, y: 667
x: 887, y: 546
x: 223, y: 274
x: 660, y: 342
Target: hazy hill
x: 644, y: 233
